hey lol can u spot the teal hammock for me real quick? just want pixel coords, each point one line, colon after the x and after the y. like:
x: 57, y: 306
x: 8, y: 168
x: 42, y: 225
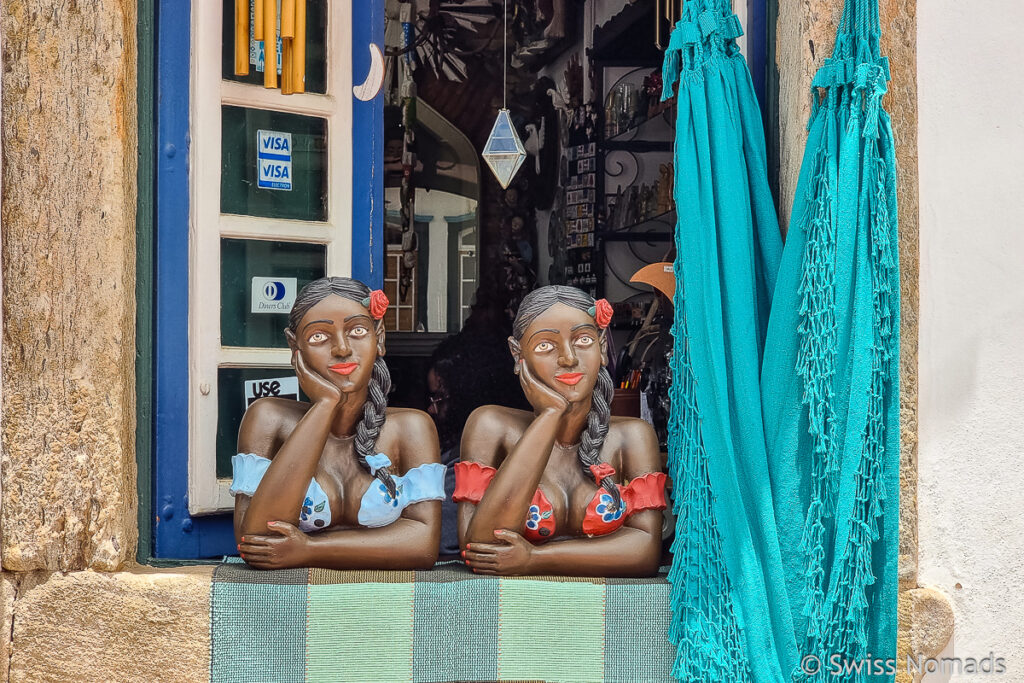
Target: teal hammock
x: 730, y: 621
x: 784, y: 433
x: 830, y: 382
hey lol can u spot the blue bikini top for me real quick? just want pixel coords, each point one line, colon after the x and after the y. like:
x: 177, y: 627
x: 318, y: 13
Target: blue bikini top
x: 377, y: 507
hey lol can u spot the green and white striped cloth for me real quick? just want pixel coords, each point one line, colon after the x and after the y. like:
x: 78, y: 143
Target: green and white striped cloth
x: 446, y: 624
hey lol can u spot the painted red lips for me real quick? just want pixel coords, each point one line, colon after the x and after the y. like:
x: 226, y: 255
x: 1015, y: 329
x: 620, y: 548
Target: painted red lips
x: 570, y: 378
x: 345, y: 368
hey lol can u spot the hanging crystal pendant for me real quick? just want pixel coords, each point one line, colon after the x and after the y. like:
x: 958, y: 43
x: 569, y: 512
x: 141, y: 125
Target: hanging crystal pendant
x: 504, y: 152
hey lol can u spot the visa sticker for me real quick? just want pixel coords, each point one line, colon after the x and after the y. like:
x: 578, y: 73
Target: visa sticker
x: 274, y: 160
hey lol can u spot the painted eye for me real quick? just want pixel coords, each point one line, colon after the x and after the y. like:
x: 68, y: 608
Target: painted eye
x: 544, y: 347
x: 317, y: 337
x: 584, y: 341
x: 358, y: 332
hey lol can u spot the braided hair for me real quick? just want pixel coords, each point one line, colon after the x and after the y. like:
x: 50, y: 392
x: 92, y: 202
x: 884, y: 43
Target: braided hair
x: 535, y: 303
x: 376, y: 403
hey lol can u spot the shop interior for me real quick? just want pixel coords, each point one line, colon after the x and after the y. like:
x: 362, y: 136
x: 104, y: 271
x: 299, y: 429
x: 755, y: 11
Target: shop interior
x: 591, y: 205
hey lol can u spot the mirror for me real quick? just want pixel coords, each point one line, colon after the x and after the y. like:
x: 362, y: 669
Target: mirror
x: 431, y: 233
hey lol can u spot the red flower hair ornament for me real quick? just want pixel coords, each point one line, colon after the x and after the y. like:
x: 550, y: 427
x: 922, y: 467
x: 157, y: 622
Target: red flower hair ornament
x: 602, y: 469
x: 602, y: 312
x: 377, y: 303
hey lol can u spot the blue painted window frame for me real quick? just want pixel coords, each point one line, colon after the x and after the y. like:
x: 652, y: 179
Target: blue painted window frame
x: 176, y: 534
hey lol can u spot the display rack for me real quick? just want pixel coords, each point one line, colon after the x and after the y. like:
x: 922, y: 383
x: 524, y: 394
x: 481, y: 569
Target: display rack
x: 635, y: 215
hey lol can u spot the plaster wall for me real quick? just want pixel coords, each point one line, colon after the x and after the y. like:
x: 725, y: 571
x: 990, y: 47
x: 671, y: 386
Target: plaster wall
x: 972, y: 323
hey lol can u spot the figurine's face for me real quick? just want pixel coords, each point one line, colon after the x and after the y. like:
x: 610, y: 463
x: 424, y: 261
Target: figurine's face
x: 563, y: 348
x: 340, y: 341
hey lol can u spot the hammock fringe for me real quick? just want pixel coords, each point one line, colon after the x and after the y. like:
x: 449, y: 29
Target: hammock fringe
x: 837, y: 622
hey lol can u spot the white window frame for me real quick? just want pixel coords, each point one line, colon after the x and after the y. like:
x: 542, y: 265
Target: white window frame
x: 207, y: 225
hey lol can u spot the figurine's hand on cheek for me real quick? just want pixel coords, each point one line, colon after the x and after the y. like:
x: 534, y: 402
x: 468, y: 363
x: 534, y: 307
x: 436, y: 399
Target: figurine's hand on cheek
x: 315, y: 386
x: 540, y: 396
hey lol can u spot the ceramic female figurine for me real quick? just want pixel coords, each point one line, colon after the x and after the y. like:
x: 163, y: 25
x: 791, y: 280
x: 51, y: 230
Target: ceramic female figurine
x: 343, y: 481
x: 543, y: 492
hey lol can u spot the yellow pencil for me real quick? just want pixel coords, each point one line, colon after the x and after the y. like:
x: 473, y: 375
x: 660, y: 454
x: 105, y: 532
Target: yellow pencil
x: 269, y: 43
x: 287, y: 19
x: 257, y: 20
x: 287, y: 73
x: 299, y: 48
x: 241, y: 37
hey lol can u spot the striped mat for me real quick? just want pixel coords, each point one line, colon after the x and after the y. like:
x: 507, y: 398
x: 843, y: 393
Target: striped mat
x: 446, y: 624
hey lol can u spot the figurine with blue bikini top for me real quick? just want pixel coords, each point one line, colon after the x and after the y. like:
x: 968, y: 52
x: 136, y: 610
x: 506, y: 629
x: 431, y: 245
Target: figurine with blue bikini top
x: 343, y: 481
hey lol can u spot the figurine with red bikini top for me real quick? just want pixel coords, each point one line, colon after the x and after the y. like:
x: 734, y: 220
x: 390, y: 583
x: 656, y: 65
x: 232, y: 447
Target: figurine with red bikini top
x: 343, y: 481
x: 566, y: 489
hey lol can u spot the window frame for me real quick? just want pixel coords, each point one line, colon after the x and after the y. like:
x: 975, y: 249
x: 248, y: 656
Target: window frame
x: 207, y: 493
x: 177, y: 103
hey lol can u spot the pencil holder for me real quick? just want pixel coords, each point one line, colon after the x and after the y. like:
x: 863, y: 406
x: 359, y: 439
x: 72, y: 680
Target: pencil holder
x: 626, y: 403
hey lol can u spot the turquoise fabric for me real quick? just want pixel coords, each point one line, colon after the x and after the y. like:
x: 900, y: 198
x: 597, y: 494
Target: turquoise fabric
x: 731, y: 615
x: 830, y: 388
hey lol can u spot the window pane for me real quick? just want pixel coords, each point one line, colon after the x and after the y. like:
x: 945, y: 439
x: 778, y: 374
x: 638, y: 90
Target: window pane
x: 236, y: 389
x: 316, y: 60
x: 273, y: 164
x: 258, y: 283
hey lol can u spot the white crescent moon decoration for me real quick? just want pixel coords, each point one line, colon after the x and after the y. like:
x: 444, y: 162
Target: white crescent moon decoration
x: 371, y: 87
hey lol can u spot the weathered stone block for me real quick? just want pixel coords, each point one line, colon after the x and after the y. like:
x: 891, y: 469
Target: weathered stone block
x: 144, y: 625
x: 926, y: 625
x: 8, y: 589
x: 68, y: 259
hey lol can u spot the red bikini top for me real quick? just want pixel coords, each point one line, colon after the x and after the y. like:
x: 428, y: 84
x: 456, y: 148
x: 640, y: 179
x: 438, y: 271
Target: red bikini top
x: 646, y: 492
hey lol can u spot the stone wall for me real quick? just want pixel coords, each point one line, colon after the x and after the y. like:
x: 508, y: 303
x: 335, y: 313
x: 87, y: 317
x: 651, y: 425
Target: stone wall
x: 141, y: 625
x: 67, y: 363
x: 68, y: 259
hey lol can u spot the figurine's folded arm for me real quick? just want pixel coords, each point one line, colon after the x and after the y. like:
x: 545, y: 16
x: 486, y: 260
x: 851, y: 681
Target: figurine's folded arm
x: 508, y: 496
x: 280, y: 492
x: 410, y: 542
x: 633, y: 550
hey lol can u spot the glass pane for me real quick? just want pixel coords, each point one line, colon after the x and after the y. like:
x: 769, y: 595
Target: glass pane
x: 273, y: 164
x: 316, y: 60
x: 439, y: 217
x: 236, y: 389
x: 258, y: 283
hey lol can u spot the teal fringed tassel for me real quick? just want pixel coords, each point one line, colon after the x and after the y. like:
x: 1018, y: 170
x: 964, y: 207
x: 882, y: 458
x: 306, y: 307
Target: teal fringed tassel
x: 838, y: 618
x: 704, y: 625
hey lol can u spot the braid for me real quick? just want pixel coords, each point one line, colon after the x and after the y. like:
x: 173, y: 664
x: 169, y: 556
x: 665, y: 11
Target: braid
x: 597, y: 430
x: 373, y: 418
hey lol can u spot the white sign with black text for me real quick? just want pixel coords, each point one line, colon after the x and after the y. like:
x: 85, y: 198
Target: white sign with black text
x: 281, y: 387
